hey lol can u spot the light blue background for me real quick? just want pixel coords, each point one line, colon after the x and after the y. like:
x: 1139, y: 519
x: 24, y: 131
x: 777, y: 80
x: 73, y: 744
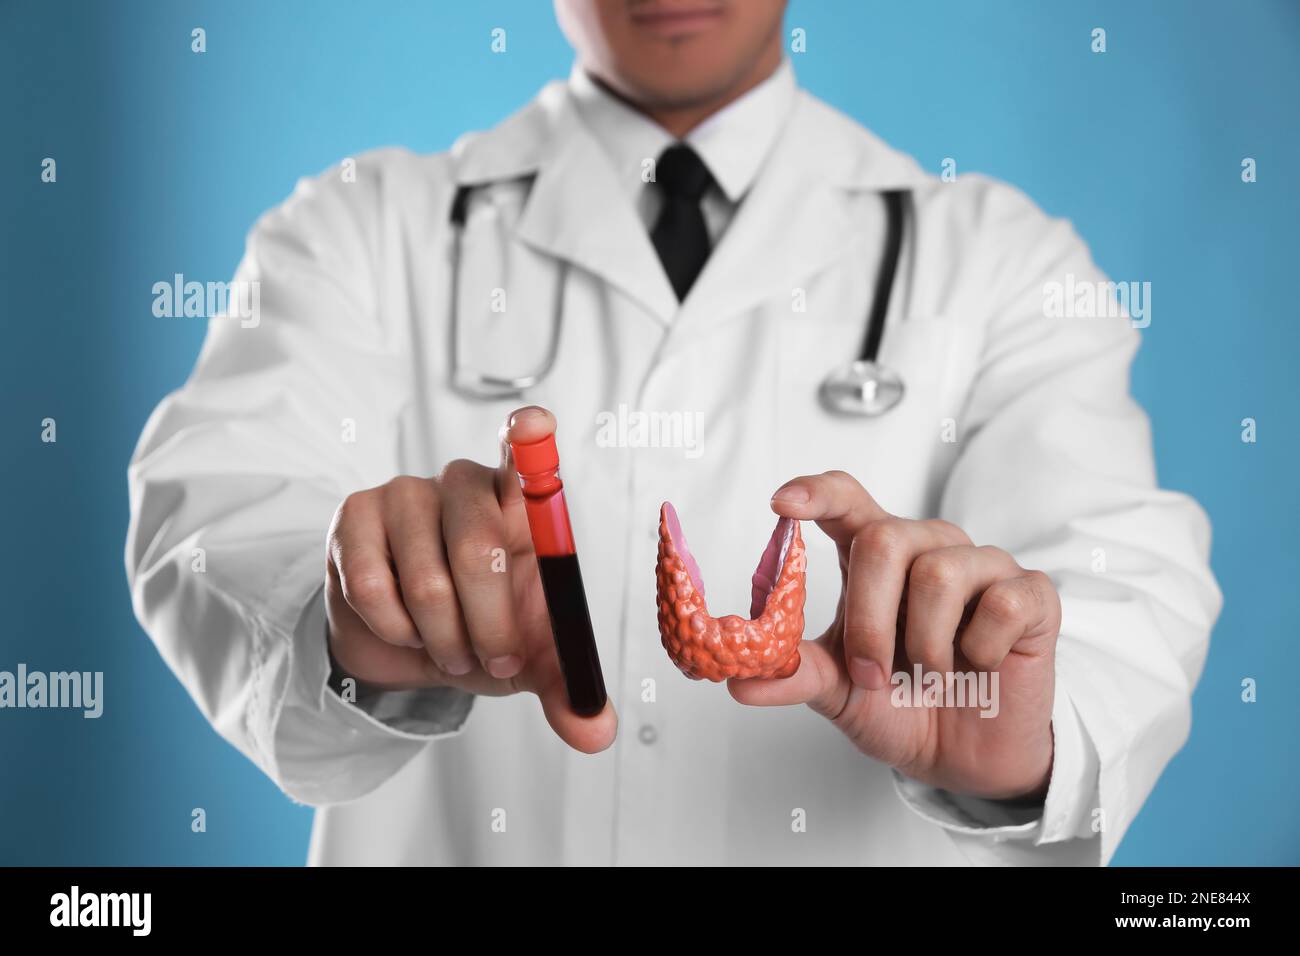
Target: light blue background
x: 165, y: 158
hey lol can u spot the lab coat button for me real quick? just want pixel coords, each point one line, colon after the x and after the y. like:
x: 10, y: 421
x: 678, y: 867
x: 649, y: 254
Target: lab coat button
x: 647, y: 734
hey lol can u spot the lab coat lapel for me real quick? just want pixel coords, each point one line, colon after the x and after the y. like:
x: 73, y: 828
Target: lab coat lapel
x: 793, y: 222
x: 577, y: 212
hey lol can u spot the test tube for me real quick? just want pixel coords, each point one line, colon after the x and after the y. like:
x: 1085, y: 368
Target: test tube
x: 537, y: 464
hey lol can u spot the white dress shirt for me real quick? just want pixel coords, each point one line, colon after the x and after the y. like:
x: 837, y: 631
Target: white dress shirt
x: 733, y: 142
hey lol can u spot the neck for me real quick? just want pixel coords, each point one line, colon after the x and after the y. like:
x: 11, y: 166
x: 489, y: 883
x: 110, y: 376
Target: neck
x: 680, y: 118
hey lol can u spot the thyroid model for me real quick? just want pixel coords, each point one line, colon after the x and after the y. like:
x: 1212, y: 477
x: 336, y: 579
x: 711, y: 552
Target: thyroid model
x: 718, y: 648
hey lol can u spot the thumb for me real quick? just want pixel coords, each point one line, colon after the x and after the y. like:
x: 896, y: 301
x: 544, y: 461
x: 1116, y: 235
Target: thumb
x: 834, y: 500
x: 590, y: 735
x: 821, y: 682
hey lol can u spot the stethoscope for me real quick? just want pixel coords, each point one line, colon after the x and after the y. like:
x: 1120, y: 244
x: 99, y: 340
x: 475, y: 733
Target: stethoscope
x: 862, y: 387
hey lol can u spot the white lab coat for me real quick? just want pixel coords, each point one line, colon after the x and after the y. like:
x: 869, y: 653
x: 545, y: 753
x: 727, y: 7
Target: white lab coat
x: 1051, y: 460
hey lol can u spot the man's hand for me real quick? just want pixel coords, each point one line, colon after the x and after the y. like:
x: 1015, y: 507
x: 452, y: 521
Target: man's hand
x: 432, y: 582
x: 921, y: 592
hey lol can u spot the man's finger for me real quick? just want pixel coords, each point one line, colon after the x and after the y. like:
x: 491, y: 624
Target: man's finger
x: 368, y: 660
x: 880, y: 556
x: 474, y: 536
x: 820, y: 682
x: 940, y: 585
x: 840, y: 506
x: 1007, y: 612
x: 359, y: 552
x: 365, y: 657
x: 413, y: 519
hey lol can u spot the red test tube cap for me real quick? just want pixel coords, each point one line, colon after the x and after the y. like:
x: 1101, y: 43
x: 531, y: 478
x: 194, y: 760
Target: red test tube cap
x: 537, y: 457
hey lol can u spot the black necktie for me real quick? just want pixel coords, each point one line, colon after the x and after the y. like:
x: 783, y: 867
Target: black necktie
x: 680, y: 237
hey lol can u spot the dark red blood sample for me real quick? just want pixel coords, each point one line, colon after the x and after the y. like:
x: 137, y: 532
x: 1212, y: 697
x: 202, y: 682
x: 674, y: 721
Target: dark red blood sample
x: 566, y: 601
x: 538, y: 466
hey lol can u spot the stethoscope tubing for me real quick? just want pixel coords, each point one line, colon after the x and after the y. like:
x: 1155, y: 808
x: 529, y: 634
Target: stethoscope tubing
x: 489, y: 386
x: 894, y: 199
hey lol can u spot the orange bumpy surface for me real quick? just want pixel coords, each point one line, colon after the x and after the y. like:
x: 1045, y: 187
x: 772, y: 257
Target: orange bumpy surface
x: 719, y: 648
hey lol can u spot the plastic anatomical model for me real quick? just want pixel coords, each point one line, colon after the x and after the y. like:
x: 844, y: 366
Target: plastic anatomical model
x: 719, y: 648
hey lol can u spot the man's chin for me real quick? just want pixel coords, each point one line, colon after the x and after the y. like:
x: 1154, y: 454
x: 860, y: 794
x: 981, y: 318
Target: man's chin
x: 682, y: 95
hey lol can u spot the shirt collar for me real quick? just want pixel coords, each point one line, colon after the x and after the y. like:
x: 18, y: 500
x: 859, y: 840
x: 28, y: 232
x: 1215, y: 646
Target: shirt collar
x: 733, y: 142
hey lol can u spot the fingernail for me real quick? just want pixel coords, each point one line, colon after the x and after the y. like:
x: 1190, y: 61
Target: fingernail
x: 794, y: 496
x: 504, y: 667
x: 513, y: 420
x: 867, y: 674
x: 457, y: 668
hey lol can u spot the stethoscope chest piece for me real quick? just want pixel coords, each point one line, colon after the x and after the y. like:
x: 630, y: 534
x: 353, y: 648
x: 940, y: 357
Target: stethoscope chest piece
x: 861, y: 388
x: 864, y: 387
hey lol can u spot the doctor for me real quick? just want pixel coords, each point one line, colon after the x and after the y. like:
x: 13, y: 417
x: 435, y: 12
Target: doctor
x: 693, y: 235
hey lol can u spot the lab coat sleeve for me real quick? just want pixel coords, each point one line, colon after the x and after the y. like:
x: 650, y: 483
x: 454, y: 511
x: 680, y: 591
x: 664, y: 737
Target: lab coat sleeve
x: 233, y: 484
x: 1055, y: 465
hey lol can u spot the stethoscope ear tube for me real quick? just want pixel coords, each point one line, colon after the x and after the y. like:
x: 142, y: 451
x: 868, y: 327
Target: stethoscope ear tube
x: 888, y: 271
